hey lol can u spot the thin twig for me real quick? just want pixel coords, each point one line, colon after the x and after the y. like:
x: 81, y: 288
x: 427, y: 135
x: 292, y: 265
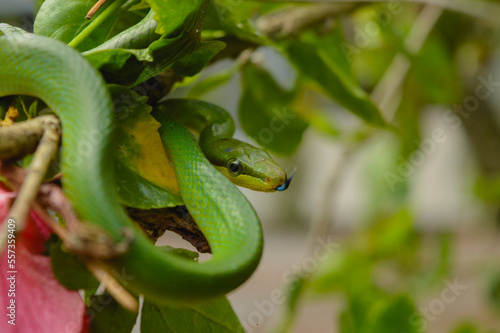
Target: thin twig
x: 36, y: 171
x: 94, y: 9
x: 60, y: 203
x: 92, y: 26
x: 391, y: 82
x: 119, y: 293
x: 116, y: 290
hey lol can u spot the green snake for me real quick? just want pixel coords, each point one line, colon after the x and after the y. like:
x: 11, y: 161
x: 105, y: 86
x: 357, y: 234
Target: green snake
x: 76, y: 92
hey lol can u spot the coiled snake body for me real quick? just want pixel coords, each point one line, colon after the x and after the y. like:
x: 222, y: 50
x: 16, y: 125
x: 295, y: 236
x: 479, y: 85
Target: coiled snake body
x: 75, y: 91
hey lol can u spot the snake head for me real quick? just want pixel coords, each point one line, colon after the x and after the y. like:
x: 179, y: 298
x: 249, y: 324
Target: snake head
x: 246, y: 165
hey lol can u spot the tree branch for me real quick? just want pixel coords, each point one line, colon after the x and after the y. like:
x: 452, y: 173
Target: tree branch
x: 51, y: 196
x: 21, y: 139
x: 484, y: 10
x: 155, y: 221
x: 291, y: 21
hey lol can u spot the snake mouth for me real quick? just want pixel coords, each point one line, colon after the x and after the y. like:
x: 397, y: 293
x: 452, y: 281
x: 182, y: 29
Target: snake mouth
x: 287, y: 182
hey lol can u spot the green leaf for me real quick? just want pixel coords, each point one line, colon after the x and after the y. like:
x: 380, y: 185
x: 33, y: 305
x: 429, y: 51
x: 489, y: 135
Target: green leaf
x: 138, y: 36
x: 173, y: 15
x: 392, y: 234
x: 61, y: 19
x: 215, y: 316
x: 65, y: 19
x: 145, y: 178
x: 194, y: 62
x: 466, y: 328
x: 138, y: 192
x: 106, y: 315
x: 407, y: 117
x: 125, y: 66
x: 6, y: 29
x: 487, y: 188
x: 375, y: 312
x: 494, y: 289
x: 344, y: 271
x: 330, y: 45
x: 432, y: 69
x: 165, y: 53
x: 119, y: 65
x: 470, y: 327
x: 135, y: 55
x: 346, y: 322
x: 313, y: 63
x: 132, y: 18
x: 180, y: 252
x: 355, y: 318
x: 69, y: 270
x: 265, y: 112
x: 133, y: 66
x: 396, y: 315
x: 88, y: 294
x: 314, y: 113
x: 33, y: 109
x: 220, y: 17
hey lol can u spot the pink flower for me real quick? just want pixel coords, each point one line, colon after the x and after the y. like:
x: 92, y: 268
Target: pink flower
x: 30, y: 296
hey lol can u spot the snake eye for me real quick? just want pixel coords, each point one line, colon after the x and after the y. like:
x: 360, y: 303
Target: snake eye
x: 234, y: 167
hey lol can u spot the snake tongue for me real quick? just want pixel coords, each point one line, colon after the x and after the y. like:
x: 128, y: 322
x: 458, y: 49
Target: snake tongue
x: 287, y: 182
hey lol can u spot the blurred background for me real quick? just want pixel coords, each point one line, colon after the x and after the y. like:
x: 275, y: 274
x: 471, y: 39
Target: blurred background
x: 379, y: 228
